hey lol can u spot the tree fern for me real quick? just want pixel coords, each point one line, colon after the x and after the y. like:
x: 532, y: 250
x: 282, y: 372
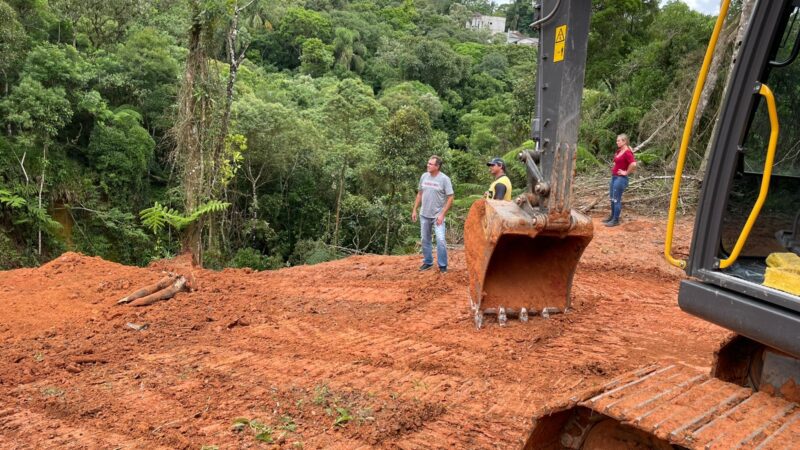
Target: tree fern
x: 41, y: 217
x: 11, y: 200
x: 27, y: 212
x: 159, y: 215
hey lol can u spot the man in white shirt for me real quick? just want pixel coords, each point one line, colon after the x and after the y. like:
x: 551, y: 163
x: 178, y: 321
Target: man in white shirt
x: 435, y: 193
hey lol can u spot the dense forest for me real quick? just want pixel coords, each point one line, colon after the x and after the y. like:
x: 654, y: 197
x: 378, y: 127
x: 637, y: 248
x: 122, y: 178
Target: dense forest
x: 270, y: 133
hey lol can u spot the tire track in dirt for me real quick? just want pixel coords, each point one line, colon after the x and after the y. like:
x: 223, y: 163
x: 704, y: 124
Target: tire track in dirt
x: 18, y: 424
x: 404, y: 382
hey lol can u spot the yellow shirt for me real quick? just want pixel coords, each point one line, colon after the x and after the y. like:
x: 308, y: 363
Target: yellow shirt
x: 505, y: 181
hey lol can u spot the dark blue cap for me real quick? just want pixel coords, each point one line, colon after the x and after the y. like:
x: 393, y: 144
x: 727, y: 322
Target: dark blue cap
x: 498, y: 162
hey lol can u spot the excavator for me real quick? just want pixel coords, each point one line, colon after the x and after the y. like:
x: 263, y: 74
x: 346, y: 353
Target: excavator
x: 743, y: 266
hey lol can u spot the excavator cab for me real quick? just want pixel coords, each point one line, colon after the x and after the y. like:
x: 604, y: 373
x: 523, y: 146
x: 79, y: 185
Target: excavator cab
x: 522, y: 255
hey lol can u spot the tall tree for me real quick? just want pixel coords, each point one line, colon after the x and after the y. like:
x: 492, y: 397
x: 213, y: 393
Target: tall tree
x: 435, y: 63
x: 297, y: 25
x: 12, y: 42
x: 206, y: 152
x: 236, y: 49
x: 194, y: 127
x: 348, y: 50
x: 405, y: 142
x: 102, y: 22
x: 356, y: 117
x: 37, y: 114
x: 617, y: 27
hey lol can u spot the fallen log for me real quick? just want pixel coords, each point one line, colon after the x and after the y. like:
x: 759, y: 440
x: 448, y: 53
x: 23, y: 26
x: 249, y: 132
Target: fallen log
x: 164, y: 294
x: 147, y: 290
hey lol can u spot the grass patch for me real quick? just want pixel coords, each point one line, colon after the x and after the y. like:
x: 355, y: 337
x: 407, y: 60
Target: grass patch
x: 261, y: 431
x: 343, y: 417
x: 321, y: 394
x: 52, y: 391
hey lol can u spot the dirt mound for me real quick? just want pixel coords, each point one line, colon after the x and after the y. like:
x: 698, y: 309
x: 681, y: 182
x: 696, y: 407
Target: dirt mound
x: 71, y: 289
x: 360, y: 352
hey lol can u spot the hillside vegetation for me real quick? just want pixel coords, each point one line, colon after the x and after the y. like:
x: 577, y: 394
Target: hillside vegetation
x: 272, y: 133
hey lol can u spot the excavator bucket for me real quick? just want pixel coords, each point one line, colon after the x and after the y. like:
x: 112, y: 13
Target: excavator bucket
x: 519, y: 263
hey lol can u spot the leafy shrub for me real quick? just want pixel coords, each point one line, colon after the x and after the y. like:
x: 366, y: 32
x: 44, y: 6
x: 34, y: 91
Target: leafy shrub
x: 466, y: 168
x: 11, y: 257
x: 248, y: 257
x: 648, y: 158
x: 586, y: 161
x: 213, y: 259
x: 308, y: 251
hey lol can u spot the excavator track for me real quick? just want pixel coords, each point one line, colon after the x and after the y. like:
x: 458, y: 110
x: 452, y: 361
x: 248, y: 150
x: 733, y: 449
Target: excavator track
x: 677, y: 404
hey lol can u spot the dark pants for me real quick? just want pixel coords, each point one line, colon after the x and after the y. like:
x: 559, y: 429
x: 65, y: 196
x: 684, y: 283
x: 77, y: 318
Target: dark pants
x: 616, y: 188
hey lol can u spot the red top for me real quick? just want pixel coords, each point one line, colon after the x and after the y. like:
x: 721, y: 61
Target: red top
x: 622, y: 160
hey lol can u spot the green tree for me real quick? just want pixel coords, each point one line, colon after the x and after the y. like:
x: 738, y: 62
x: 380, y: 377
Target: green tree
x: 12, y: 43
x: 120, y: 150
x: 617, y: 27
x: 143, y: 72
x: 283, y: 144
x: 102, y: 22
x: 401, y: 17
x: 407, y: 140
x: 58, y: 65
x: 520, y: 15
x: 316, y: 57
x: 298, y: 25
x: 435, y: 63
x: 480, y: 86
x: 348, y: 51
x: 37, y: 114
x: 412, y: 93
x: 355, y: 118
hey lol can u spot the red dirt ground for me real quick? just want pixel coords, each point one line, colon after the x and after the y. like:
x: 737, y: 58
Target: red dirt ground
x: 367, y: 341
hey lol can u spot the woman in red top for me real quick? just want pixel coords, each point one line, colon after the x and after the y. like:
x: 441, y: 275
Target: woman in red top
x: 624, y: 164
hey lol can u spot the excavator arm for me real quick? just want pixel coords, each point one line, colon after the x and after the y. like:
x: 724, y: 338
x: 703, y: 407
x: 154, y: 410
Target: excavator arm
x: 522, y: 255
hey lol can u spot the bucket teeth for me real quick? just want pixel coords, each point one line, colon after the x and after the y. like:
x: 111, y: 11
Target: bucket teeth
x: 549, y: 310
x: 478, y: 319
x: 523, y: 315
x: 502, y: 319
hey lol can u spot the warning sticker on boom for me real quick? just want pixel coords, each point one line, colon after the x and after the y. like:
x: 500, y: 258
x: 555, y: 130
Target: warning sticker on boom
x: 561, y: 38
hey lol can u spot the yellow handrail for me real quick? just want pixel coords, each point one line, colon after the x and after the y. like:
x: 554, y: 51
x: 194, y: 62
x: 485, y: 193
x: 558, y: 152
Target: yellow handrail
x: 762, y: 194
x: 687, y: 135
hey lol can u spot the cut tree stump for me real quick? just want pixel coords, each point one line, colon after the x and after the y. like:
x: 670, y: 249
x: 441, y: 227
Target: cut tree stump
x: 164, y: 294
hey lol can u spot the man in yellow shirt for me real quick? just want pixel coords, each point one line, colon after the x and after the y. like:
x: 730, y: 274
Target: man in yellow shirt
x: 500, y: 189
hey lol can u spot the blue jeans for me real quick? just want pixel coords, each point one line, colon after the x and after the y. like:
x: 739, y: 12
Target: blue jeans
x: 616, y: 188
x: 441, y: 245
